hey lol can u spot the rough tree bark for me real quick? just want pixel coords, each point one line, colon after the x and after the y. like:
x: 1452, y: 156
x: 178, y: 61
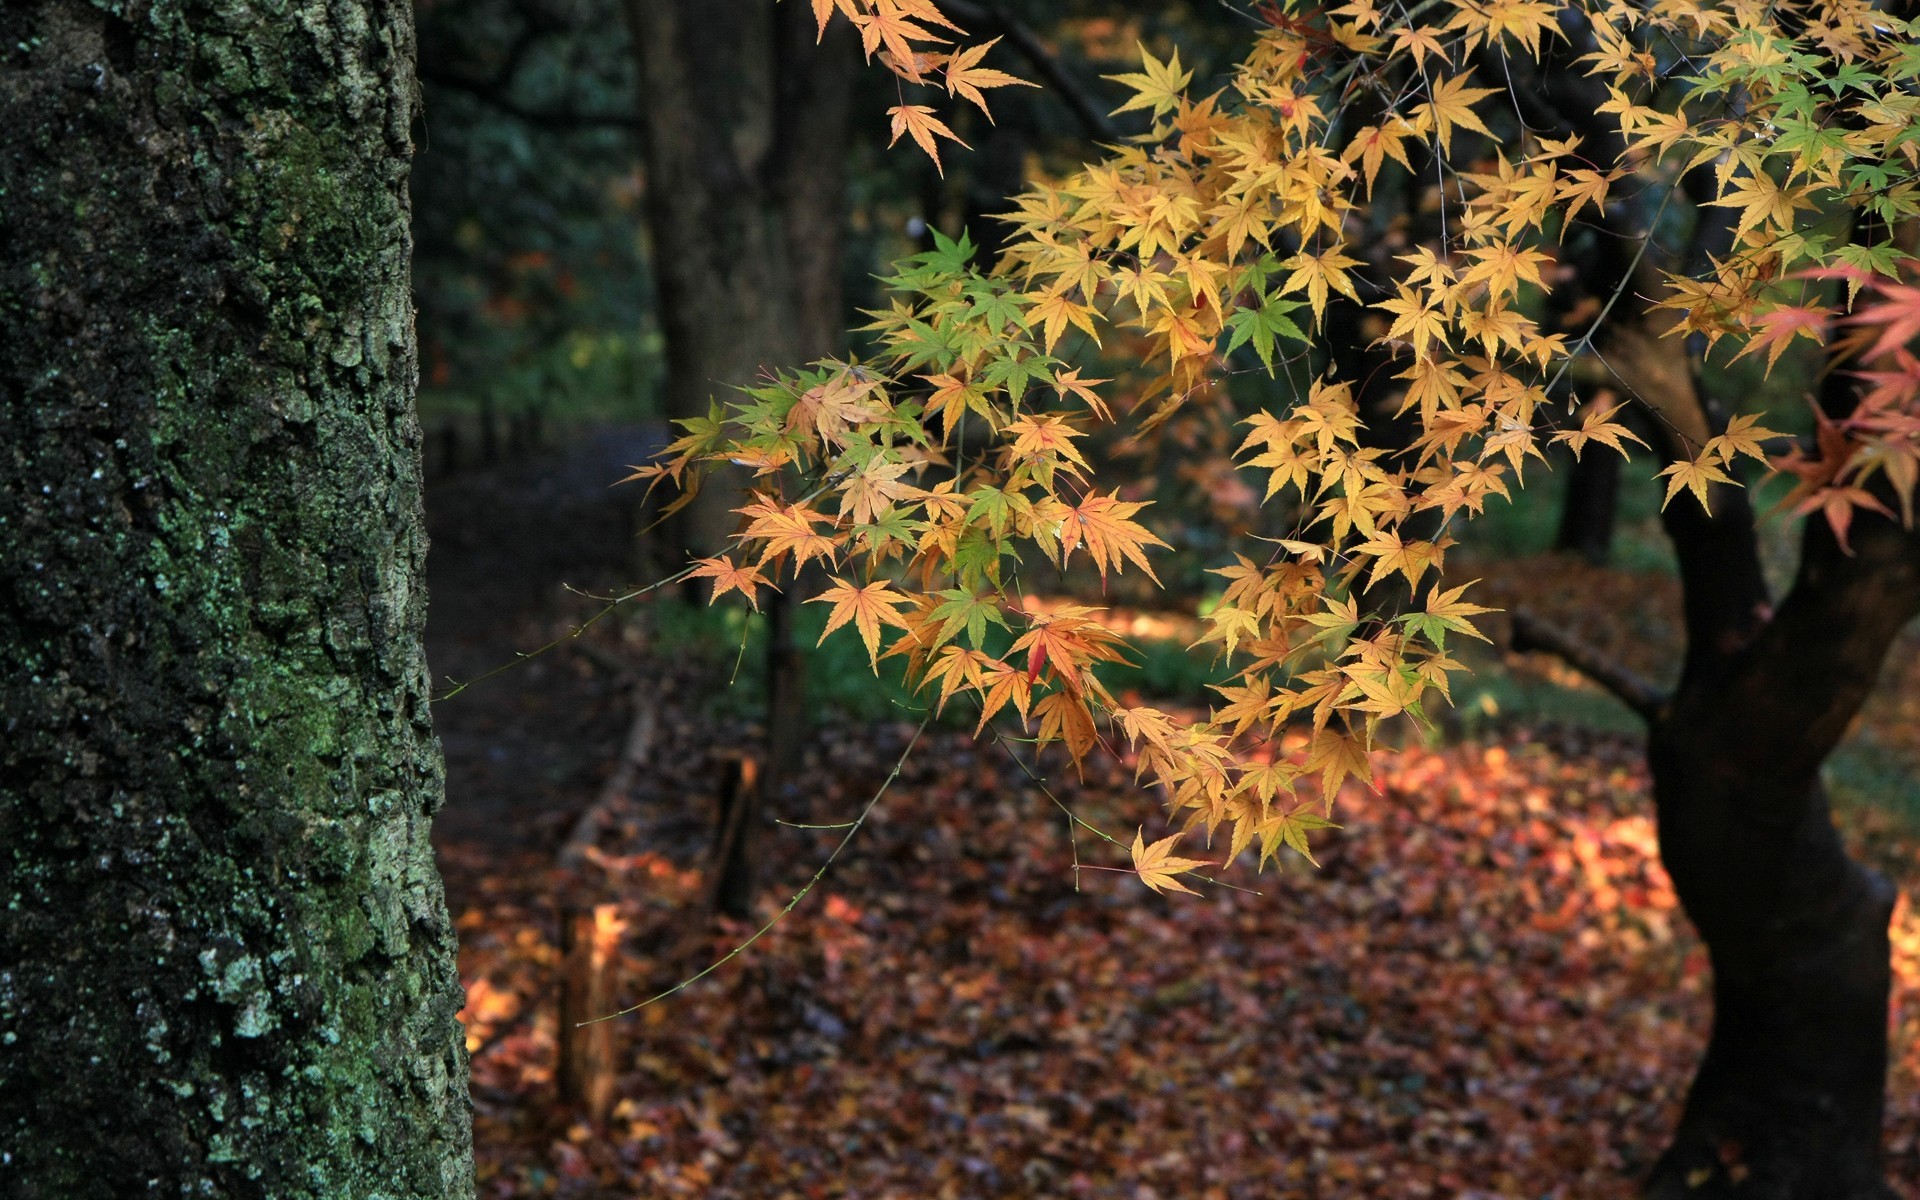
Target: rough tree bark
x: 226, y: 967
x: 1789, y: 1099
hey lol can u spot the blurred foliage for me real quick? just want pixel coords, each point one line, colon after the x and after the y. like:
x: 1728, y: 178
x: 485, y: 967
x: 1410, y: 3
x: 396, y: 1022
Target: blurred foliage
x: 529, y: 270
x: 531, y: 264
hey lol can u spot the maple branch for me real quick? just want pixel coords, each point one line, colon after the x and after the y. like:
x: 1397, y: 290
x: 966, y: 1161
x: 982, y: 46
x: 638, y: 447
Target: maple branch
x: 1531, y: 634
x: 1025, y: 41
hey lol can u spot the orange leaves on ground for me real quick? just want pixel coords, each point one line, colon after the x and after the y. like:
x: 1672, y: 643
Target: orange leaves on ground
x: 868, y: 607
x: 1104, y: 526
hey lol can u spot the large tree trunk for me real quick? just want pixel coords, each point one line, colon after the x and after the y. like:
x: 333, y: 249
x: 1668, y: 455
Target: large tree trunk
x: 1787, y: 1104
x: 226, y: 967
x: 1789, y: 1099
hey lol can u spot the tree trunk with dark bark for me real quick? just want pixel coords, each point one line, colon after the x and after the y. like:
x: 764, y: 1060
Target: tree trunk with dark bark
x: 1789, y: 1099
x: 745, y: 124
x: 1587, y: 514
x: 226, y: 966
x: 1788, y: 1102
x: 746, y: 127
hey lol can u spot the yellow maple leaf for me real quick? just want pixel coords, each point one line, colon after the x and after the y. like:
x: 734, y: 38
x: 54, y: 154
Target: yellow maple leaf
x: 1159, y: 867
x: 1452, y: 104
x: 1695, y: 476
x: 966, y: 77
x: 918, y: 120
x: 1338, y: 756
x: 1316, y: 273
x: 1159, y: 88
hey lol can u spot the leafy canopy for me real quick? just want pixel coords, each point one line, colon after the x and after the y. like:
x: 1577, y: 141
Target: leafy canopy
x: 952, y: 459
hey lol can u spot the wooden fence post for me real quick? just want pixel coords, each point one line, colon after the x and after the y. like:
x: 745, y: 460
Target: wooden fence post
x: 589, y: 1049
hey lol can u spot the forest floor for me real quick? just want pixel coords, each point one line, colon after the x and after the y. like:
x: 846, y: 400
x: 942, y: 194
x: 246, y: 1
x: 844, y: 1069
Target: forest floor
x: 1485, y: 989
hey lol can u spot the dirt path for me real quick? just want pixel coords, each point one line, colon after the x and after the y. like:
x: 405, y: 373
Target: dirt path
x: 525, y: 750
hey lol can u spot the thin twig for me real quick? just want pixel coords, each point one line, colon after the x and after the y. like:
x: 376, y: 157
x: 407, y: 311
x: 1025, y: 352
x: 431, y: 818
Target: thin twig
x: 571, y: 634
x: 1024, y: 40
x: 795, y: 899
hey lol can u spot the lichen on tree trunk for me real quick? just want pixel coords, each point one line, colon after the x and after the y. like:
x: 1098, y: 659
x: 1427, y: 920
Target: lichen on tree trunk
x: 226, y: 966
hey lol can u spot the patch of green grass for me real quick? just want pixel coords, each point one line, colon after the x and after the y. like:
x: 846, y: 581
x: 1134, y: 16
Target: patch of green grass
x: 1491, y: 698
x: 1866, y: 774
x: 1527, y: 524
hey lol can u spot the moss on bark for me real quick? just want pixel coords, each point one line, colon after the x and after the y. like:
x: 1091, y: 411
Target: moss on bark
x: 226, y: 966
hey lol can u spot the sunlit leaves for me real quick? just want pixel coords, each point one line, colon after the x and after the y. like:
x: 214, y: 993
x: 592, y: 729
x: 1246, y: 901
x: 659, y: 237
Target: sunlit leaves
x: 867, y: 606
x: 1354, y: 167
x: 1157, y: 87
x: 1451, y: 105
x: 1104, y: 526
x: 966, y: 77
x: 919, y: 121
x: 728, y: 577
x: 1159, y: 867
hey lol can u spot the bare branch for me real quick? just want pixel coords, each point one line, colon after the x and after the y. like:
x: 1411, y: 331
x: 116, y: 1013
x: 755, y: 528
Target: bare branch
x: 1531, y: 634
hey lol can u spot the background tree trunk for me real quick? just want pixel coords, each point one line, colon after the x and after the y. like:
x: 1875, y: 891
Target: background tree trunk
x: 226, y: 967
x: 1588, y: 514
x: 745, y: 125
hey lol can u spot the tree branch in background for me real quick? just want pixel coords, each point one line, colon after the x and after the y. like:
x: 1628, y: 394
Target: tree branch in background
x: 991, y: 18
x: 496, y: 93
x: 1531, y: 635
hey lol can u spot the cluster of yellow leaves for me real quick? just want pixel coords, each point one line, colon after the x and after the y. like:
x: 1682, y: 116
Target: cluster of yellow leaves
x: 930, y: 473
x: 911, y: 39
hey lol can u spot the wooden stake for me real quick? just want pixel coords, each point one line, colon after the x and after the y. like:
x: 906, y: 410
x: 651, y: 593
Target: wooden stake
x: 589, y: 1053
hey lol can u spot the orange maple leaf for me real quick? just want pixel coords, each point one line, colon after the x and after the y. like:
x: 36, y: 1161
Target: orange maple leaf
x: 918, y: 120
x: 869, y: 607
x: 966, y: 77
x: 1101, y: 524
x: 730, y: 578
